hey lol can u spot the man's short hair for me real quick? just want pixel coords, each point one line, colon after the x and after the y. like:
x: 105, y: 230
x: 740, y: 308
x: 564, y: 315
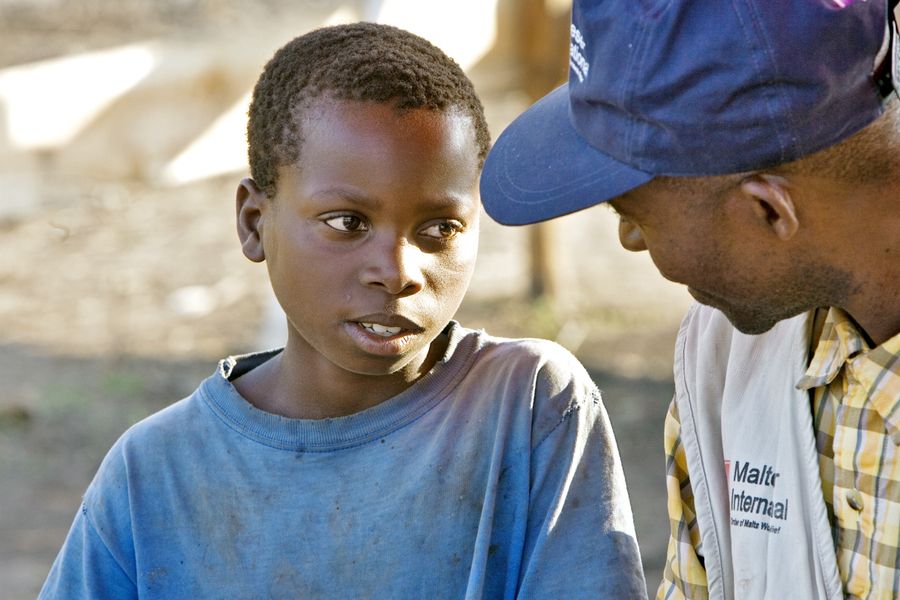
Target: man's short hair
x: 870, y: 156
x: 362, y: 62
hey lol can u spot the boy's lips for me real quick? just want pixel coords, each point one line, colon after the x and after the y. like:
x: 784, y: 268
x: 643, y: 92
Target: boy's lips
x: 383, y: 334
x: 389, y: 321
x: 382, y: 330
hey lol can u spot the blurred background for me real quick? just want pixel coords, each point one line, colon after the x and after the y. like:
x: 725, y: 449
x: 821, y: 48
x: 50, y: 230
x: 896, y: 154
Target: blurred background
x: 121, y: 279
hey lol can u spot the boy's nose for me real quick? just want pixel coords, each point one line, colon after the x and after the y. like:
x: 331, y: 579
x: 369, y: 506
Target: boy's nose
x: 630, y: 236
x: 396, y: 266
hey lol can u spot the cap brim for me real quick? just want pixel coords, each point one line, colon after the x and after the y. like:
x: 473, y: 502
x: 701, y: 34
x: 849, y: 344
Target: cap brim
x: 540, y: 168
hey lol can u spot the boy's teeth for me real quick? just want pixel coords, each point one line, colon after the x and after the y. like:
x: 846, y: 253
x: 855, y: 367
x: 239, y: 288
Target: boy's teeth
x: 381, y: 329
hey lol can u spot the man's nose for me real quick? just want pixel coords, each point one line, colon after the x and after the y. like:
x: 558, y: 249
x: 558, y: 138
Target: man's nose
x: 630, y: 236
x: 396, y: 266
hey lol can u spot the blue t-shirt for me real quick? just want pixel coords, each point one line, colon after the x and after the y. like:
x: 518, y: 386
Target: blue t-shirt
x: 495, y: 475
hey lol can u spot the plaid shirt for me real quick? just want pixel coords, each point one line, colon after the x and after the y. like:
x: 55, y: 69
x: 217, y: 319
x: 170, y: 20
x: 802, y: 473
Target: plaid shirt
x: 855, y: 395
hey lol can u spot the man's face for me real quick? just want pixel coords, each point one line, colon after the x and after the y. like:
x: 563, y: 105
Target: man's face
x: 371, y: 239
x: 701, y: 236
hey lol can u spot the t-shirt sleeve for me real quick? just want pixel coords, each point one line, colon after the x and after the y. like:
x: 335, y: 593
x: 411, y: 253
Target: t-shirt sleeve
x: 580, y: 540
x: 97, y: 558
x: 684, y: 575
x: 85, y: 567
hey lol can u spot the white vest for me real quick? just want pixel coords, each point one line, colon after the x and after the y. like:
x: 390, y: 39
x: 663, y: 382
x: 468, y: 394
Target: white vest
x: 748, y: 437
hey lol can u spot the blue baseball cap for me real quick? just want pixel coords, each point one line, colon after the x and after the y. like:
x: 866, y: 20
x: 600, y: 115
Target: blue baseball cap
x: 688, y: 88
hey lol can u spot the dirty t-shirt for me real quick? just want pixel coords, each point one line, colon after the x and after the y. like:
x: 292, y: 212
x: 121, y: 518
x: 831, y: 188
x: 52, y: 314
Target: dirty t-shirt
x: 496, y: 475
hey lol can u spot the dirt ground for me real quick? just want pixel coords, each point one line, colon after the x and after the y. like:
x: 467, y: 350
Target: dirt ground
x: 118, y: 296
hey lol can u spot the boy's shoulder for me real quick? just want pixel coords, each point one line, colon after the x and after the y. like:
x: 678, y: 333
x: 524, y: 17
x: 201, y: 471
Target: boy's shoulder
x: 158, y: 438
x: 547, y: 358
x: 173, y: 420
x: 200, y: 411
x: 541, y: 370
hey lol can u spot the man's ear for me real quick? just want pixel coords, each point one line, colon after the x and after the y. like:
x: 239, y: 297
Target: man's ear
x: 771, y: 202
x: 251, y: 204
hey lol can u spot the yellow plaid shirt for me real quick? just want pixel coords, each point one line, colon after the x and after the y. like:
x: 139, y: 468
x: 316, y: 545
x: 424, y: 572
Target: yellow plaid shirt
x: 855, y: 394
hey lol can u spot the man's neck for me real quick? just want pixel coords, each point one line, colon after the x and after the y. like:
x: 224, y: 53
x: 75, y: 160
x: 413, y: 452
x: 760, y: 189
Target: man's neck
x: 878, y: 314
x: 859, y: 233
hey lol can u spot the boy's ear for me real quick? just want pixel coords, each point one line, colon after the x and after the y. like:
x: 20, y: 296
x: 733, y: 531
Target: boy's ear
x: 770, y: 200
x: 251, y: 204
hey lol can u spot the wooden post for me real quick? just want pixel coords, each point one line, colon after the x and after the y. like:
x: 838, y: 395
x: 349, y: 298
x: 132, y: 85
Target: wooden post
x: 542, y: 57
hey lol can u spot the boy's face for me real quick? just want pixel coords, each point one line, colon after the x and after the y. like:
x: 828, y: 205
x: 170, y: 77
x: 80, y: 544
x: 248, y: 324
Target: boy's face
x: 371, y: 239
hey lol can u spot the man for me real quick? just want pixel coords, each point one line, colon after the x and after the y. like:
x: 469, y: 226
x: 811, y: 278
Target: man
x: 753, y: 148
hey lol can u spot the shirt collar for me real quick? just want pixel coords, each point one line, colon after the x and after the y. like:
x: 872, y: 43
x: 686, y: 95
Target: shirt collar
x: 877, y: 370
x: 839, y: 341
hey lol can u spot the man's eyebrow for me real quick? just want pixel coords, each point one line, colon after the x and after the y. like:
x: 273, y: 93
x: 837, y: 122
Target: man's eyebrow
x: 609, y: 204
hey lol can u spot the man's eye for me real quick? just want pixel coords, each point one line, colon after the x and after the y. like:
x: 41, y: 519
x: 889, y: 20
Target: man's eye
x: 349, y: 223
x: 444, y: 230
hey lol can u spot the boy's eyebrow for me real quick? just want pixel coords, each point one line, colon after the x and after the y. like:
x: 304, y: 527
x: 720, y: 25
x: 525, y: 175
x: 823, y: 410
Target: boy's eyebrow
x: 449, y: 201
x: 363, y: 200
x: 350, y: 195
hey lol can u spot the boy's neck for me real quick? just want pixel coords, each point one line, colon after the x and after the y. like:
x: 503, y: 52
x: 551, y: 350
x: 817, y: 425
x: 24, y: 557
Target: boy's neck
x: 285, y: 385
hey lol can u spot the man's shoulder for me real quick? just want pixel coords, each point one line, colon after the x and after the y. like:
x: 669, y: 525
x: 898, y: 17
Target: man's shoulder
x: 709, y: 346
x: 703, y: 320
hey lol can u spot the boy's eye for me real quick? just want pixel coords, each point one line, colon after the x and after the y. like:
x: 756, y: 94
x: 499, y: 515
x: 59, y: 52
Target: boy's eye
x: 444, y: 230
x: 349, y: 223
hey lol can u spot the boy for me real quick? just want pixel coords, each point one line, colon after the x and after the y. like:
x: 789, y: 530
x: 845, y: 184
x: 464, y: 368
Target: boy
x: 385, y: 452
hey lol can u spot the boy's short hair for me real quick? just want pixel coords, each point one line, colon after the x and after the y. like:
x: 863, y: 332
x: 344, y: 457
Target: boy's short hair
x: 362, y: 62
